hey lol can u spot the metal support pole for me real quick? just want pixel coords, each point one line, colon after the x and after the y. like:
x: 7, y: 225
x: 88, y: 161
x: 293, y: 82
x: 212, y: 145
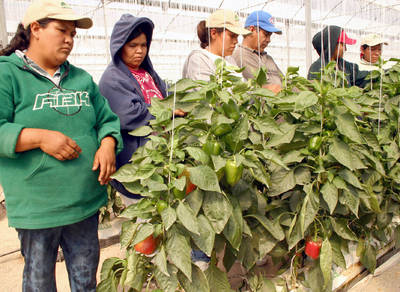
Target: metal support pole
x: 106, y: 33
x: 287, y: 31
x: 307, y: 7
x: 3, y: 26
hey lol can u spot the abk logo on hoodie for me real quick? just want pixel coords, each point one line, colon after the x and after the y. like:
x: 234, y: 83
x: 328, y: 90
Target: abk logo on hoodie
x: 64, y: 101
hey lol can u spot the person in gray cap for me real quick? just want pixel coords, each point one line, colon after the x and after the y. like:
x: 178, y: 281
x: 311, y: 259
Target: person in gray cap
x: 370, y: 52
x: 251, y: 53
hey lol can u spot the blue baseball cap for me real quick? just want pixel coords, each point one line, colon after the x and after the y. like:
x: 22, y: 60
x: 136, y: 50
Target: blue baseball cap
x: 262, y: 19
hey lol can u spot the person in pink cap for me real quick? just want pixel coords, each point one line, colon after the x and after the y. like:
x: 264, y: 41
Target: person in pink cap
x: 330, y: 44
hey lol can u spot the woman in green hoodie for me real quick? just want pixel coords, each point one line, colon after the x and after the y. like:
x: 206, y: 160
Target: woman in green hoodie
x: 330, y: 44
x: 58, y: 142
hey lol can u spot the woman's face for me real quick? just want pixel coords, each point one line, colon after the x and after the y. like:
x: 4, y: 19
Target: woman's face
x: 134, y: 51
x: 372, y: 54
x: 223, y: 41
x: 54, y: 41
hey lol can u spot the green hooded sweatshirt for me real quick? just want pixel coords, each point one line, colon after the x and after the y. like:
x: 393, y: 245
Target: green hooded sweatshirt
x: 41, y: 191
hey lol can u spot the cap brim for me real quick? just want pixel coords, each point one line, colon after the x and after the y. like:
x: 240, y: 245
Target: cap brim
x: 375, y: 43
x: 238, y: 30
x: 272, y: 29
x: 81, y: 22
x: 350, y: 41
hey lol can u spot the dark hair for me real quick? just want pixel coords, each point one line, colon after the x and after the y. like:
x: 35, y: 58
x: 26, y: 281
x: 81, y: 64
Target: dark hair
x: 22, y: 38
x: 203, y: 33
x: 364, y: 46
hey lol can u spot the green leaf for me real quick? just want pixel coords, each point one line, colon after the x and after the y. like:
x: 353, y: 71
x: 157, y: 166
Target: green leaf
x: 266, y: 125
x: 195, y: 200
x: 168, y: 217
x: 107, y: 267
x: 135, y: 275
x: 350, y: 177
x: 139, y: 209
x: 340, y: 227
x: 347, y: 127
x: 167, y: 283
x: 352, y: 106
x: 309, y: 208
x: 234, y: 228
x: 204, y: 241
x: 198, y: 282
x: 217, y: 280
x: 304, y: 100
x: 184, y: 85
x: 287, y: 136
x: 128, y: 230
x: 107, y: 285
x: 142, y: 131
x: 273, y: 156
x: 155, y: 186
x: 246, y: 254
x: 351, y: 200
x: 241, y: 131
x: 178, y: 250
x: 205, y: 178
x: 192, y: 96
x: 180, y: 183
x: 273, y: 227
x: 198, y: 154
x: 263, y: 92
x: 295, y: 236
x: 344, y: 155
x: 263, y: 240
x: 396, y: 237
x: 217, y: 210
x: 160, y: 260
x: 218, y: 162
x: 338, y: 257
x: 145, y: 230
x: 330, y: 194
x: 187, y: 218
x: 143, y: 172
x: 281, y: 182
x: 315, y: 279
x: 368, y: 258
x: 325, y: 261
x: 202, y: 112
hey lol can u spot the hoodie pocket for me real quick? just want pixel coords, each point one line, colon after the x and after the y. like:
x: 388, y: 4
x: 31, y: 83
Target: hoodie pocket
x: 49, y: 165
x: 41, y: 163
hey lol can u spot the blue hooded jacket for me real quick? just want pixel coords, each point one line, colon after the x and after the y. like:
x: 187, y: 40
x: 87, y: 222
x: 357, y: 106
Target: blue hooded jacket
x: 122, y: 90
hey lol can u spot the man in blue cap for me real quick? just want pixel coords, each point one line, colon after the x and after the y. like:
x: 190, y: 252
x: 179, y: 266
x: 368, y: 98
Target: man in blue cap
x: 251, y: 55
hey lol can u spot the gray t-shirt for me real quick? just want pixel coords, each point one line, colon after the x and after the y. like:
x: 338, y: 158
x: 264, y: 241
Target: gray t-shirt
x: 199, y: 65
x: 253, y: 60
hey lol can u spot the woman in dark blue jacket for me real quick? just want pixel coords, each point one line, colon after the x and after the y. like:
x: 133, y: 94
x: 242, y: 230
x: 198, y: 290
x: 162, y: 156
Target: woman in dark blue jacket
x: 130, y: 82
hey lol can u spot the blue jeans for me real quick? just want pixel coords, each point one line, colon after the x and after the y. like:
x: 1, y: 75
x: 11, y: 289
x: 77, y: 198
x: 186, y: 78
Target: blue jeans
x: 81, y: 249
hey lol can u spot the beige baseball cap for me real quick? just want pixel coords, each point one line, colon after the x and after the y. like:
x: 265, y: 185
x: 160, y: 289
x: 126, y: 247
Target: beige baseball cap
x: 54, y: 9
x: 226, y: 19
x: 373, y: 40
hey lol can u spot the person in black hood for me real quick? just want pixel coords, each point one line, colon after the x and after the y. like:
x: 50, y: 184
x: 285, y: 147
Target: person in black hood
x: 130, y: 82
x: 330, y: 44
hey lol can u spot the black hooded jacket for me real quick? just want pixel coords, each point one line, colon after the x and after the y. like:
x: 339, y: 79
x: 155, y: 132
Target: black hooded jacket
x: 324, y: 43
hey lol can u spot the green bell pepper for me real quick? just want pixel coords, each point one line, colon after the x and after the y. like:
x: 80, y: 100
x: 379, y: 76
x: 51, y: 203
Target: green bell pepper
x: 233, y: 172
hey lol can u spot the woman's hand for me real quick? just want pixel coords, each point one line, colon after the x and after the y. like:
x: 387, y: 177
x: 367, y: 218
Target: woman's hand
x: 105, y: 160
x: 275, y: 88
x: 179, y: 113
x: 53, y: 143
